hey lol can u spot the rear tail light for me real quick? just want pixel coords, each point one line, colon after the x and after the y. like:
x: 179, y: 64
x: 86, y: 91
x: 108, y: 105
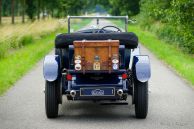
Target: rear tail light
x: 124, y: 76
x: 69, y: 77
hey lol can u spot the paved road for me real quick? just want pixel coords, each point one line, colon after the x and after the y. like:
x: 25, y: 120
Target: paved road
x: 171, y: 105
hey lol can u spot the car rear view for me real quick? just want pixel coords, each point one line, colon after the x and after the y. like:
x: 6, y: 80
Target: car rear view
x: 99, y: 64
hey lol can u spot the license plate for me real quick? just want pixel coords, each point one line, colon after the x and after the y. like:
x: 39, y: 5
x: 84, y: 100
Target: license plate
x: 97, y: 91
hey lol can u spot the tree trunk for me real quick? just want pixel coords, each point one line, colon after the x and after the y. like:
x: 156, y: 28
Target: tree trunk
x: 23, y: 10
x: 0, y: 11
x: 43, y: 13
x: 38, y: 13
x: 43, y: 8
x: 12, y: 10
x: 52, y: 15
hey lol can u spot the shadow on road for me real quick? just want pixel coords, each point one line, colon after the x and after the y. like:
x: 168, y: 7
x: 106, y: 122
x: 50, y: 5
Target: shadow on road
x: 88, y: 111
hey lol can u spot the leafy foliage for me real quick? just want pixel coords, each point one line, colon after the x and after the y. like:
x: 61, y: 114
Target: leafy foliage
x: 176, y: 19
x: 72, y: 6
x: 124, y: 7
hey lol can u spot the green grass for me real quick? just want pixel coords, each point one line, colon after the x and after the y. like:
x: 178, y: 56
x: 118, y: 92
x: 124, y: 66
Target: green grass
x: 182, y: 63
x: 16, y: 64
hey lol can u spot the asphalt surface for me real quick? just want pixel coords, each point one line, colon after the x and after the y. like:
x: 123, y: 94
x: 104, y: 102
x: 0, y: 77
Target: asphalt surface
x: 171, y: 105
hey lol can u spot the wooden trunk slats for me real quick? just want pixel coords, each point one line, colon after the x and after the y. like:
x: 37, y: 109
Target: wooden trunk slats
x: 95, y: 52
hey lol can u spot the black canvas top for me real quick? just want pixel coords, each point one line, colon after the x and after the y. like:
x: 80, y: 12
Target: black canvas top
x: 129, y: 39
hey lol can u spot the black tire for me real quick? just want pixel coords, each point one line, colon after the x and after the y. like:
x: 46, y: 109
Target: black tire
x: 59, y: 90
x: 141, y: 99
x: 51, y: 99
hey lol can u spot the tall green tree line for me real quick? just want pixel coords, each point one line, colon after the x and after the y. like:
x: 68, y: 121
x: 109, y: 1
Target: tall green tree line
x: 61, y: 8
x: 175, y: 16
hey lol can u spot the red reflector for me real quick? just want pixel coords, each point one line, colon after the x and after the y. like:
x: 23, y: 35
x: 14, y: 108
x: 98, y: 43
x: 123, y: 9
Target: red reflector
x: 124, y: 76
x: 69, y: 77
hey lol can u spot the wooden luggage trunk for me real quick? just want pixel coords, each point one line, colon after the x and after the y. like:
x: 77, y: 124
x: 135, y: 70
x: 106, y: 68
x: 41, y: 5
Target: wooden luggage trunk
x: 96, y: 55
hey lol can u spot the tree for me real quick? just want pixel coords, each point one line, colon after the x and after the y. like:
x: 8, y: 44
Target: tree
x: 0, y: 10
x: 31, y: 9
x: 176, y: 19
x: 38, y: 8
x: 13, y: 11
x: 124, y: 7
x: 23, y: 10
x: 53, y: 6
x: 72, y: 7
x: 155, y: 9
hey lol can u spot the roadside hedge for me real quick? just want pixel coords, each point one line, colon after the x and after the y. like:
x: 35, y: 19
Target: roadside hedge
x: 172, y: 20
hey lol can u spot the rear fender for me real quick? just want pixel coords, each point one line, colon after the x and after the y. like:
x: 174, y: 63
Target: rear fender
x: 51, y: 67
x: 134, y: 52
x: 141, y: 67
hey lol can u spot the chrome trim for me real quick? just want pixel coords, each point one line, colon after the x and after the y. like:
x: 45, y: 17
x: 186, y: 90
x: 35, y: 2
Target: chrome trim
x: 120, y: 90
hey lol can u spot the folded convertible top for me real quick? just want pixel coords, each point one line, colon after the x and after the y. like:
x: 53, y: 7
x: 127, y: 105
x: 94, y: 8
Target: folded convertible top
x: 129, y: 39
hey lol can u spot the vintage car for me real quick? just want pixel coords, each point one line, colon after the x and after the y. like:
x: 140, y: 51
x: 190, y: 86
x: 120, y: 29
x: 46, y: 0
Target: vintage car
x: 98, y: 64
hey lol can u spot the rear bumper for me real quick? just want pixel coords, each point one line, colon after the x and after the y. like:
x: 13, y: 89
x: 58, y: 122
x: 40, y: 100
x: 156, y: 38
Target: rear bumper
x: 121, y: 84
x: 79, y: 96
x: 121, y: 71
x: 95, y: 98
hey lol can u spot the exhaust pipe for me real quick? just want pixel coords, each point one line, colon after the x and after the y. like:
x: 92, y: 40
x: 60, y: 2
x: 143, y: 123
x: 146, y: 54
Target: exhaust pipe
x: 120, y: 92
x: 73, y: 93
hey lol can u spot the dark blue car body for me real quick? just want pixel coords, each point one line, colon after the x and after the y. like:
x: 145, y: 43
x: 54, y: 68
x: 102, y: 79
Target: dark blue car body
x: 58, y: 70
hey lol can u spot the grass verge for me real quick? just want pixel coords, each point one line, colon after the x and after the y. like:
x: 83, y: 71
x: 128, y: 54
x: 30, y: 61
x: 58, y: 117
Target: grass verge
x: 15, y: 65
x: 182, y: 63
x: 18, y: 35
